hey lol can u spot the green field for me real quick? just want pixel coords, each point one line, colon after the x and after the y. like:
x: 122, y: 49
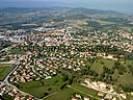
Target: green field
x: 43, y: 87
x: 50, y: 89
x: 67, y: 93
x: 102, y: 22
x: 7, y: 97
x: 99, y: 63
x: 117, y: 74
x: 85, y: 91
x: 16, y: 51
x: 4, y: 70
x: 64, y: 94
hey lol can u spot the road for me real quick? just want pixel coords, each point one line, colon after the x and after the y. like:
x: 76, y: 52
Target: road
x: 16, y: 66
x: 5, y: 49
x: 9, y: 84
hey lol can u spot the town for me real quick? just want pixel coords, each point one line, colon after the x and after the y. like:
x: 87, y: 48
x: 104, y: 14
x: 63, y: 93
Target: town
x: 72, y: 58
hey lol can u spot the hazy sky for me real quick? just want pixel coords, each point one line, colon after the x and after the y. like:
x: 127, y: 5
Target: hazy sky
x: 117, y: 5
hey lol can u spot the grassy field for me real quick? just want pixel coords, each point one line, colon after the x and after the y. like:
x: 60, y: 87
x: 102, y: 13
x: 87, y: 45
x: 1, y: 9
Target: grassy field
x: 67, y: 93
x: 99, y: 63
x: 122, y: 76
x: 84, y: 91
x: 16, y: 51
x: 42, y: 88
x: 50, y: 89
x: 102, y: 22
x: 64, y: 94
x: 129, y: 97
x: 4, y: 70
x: 7, y: 97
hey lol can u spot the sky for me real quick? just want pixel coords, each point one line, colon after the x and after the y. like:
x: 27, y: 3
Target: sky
x: 125, y: 6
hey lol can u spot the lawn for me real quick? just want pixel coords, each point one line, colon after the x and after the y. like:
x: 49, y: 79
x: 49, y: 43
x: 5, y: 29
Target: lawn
x: 50, y: 89
x: 7, y: 97
x: 122, y: 76
x: 64, y: 94
x: 4, y: 70
x: 67, y: 92
x: 42, y: 88
x: 102, y: 22
x: 126, y: 62
x: 130, y: 97
x: 84, y: 91
x: 126, y: 81
x: 16, y: 51
x: 99, y: 63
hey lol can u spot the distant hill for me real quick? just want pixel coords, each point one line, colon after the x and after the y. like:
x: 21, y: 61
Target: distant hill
x: 27, y: 15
